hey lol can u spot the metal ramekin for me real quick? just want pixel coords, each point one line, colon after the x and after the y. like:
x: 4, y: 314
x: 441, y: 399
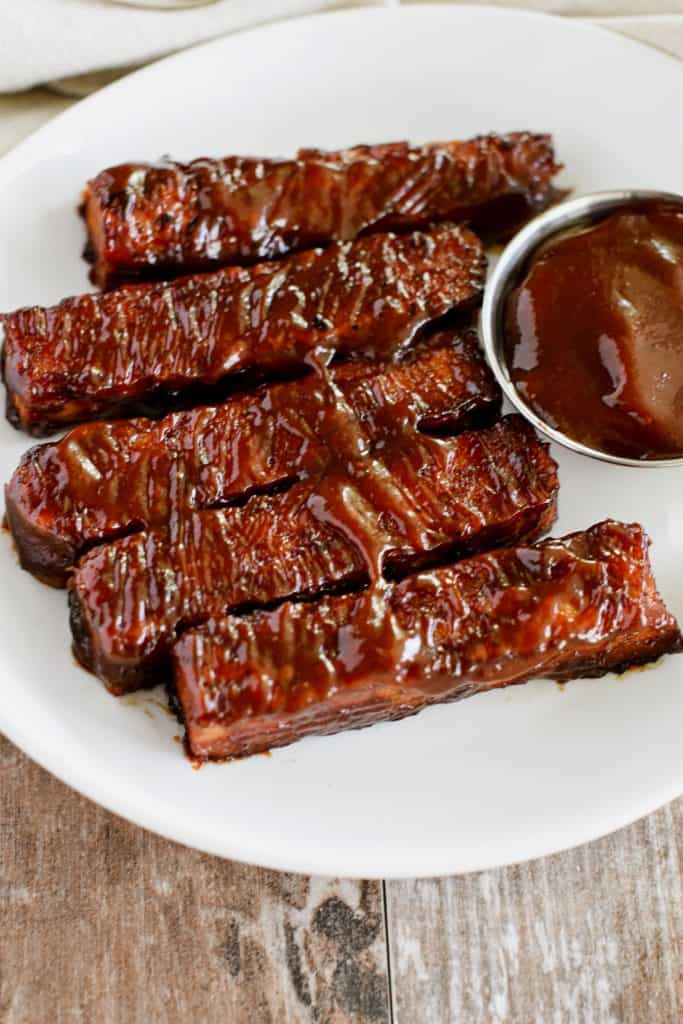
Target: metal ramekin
x: 507, y: 274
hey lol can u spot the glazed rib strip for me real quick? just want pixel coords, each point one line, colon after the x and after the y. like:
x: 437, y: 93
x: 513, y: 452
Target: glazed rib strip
x: 107, y: 479
x: 431, y: 500
x: 147, y: 221
x: 111, y: 354
x: 582, y: 605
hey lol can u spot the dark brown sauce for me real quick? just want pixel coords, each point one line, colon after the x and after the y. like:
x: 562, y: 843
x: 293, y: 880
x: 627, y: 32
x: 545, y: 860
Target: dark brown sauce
x: 580, y: 605
x: 149, y: 221
x: 358, y: 481
x: 372, y: 512
x: 152, y: 346
x: 594, y: 333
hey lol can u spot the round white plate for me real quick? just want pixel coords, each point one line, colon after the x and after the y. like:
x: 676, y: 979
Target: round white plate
x: 495, y: 779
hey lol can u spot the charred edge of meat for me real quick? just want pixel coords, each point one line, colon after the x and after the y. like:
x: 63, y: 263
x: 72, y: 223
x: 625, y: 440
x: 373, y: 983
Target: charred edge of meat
x: 504, y: 213
x: 121, y: 678
x: 528, y: 524
x: 644, y: 633
x: 371, y: 709
x: 50, y: 557
x: 159, y: 401
x: 174, y: 705
x: 499, y: 219
x: 45, y: 555
x: 480, y: 416
x: 155, y: 667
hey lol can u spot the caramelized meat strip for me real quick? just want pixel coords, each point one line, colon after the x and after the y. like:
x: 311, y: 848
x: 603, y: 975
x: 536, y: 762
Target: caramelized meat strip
x: 150, y: 221
x: 426, y: 501
x: 99, y: 355
x: 582, y: 605
x: 107, y: 479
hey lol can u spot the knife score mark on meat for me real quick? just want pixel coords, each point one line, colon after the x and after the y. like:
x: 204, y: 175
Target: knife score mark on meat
x: 107, y: 479
x: 375, y: 514
x: 157, y: 221
x: 103, y: 355
x: 582, y: 605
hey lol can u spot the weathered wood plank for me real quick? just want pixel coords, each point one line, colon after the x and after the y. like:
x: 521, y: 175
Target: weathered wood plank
x: 593, y: 936
x: 102, y: 921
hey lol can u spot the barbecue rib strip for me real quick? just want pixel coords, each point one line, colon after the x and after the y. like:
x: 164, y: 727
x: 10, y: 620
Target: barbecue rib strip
x: 105, y: 480
x: 157, y: 221
x: 425, y: 501
x: 583, y: 605
x: 109, y: 354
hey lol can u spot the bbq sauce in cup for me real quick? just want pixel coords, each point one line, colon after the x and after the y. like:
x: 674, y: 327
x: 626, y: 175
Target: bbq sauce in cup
x: 594, y: 333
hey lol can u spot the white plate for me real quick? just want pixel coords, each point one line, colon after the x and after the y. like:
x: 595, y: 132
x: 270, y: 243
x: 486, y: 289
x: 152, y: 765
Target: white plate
x: 495, y: 779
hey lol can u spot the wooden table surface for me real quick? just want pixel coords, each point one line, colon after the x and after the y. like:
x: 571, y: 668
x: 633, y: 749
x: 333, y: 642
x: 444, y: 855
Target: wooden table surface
x: 104, y: 923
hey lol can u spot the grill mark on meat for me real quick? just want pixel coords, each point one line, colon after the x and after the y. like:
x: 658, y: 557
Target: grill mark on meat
x: 105, y: 479
x: 150, y: 221
x: 583, y: 605
x: 93, y: 356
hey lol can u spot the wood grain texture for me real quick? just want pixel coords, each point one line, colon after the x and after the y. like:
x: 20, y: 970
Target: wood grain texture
x: 592, y: 936
x: 104, y: 923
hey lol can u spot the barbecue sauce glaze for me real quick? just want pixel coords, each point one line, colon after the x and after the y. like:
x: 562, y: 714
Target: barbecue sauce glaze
x: 594, y: 333
x: 149, y: 221
x: 104, y: 480
x: 579, y: 605
x: 382, y: 508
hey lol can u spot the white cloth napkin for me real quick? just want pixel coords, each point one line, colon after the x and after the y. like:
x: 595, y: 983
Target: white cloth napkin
x: 42, y: 40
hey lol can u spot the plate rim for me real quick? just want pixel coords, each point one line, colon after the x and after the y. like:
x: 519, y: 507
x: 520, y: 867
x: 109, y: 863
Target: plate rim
x: 129, y: 803
x: 400, y: 11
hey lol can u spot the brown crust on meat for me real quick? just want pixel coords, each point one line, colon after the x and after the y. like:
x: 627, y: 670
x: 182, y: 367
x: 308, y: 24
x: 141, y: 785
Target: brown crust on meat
x: 423, y: 502
x: 108, y: 479
x: 41, y: 552
x: 582, y: 605
x: 96, y: 356
x: 147, y: 222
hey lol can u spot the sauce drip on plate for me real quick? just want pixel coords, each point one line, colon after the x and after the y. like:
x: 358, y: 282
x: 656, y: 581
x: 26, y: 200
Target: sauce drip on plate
x: 594, y: 333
